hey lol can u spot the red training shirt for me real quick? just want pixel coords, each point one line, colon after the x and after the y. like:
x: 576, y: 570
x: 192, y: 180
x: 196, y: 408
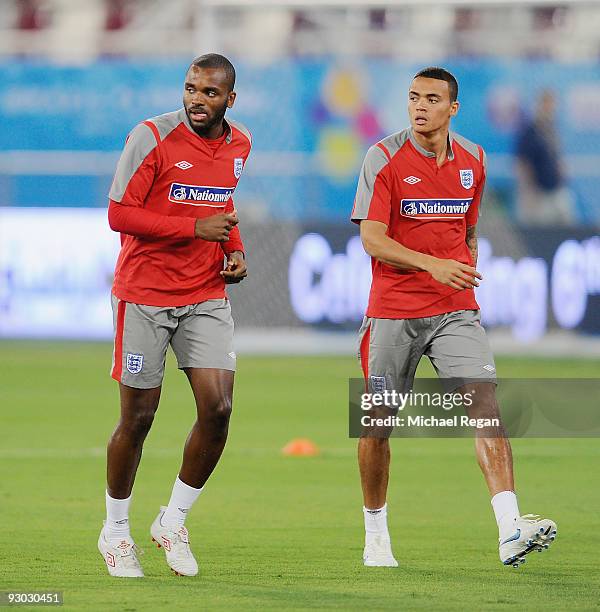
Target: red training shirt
x: 166, y: 178
x: 426, y: 209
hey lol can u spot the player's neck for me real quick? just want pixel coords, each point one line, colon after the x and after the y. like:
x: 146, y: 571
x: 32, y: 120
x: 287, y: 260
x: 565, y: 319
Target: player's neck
x: 213, y: 133
x: 434, y: 142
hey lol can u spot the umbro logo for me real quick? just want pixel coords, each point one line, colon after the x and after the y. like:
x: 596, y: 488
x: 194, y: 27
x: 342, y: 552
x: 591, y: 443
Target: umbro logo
x: 411, y: 180
x: 184, y: 165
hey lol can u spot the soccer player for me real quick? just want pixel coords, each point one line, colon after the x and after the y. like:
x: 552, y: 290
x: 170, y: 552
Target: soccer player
x: 171, y: 200
x: 417, y: 203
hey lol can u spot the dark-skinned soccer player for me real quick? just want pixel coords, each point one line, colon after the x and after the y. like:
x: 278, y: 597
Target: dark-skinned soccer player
x: 172, y: 202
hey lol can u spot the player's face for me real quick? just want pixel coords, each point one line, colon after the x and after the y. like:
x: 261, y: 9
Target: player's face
x: 429, y: 105
x: 206, y: 97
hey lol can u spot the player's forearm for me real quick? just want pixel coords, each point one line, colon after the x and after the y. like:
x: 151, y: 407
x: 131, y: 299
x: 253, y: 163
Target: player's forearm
x: 234, y: 243
x: 472, y: 244
x: 143, y: 223
x: 392, y: 253
x: 471, y: 240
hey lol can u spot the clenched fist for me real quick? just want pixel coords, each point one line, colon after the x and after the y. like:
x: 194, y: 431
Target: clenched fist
x: 216, y: 228
x: 236, y: 269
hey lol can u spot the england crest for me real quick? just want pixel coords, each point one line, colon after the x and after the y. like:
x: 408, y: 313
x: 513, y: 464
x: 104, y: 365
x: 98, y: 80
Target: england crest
x: 134, y: 363
x: 378, y: 384
x: 238, y: 166
x: 466, y: 178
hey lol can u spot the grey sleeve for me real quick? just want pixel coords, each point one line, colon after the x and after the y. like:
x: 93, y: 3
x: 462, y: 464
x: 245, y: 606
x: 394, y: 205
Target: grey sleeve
x: 483, y: 181
x: 481, y: 187
x: 140, y: 143
x: 478, y: 198
x: 242, y: 128
x: 375, y: 161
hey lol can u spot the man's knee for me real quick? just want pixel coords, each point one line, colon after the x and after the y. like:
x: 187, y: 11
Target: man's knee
x: 482, y: 400
x: 219, y: 412
x: 138, y: 413
x: 137, y: 425
x: 142, y: 422
x: 484, y: 405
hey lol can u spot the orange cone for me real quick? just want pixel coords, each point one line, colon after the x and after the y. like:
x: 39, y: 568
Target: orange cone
x: 300, y: 447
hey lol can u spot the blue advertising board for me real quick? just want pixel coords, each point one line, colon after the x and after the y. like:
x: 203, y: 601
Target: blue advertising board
x: 312, y: 122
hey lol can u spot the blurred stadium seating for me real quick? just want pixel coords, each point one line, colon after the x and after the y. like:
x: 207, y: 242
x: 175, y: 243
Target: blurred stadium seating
x: 318, y: 83
x: 271, y: 29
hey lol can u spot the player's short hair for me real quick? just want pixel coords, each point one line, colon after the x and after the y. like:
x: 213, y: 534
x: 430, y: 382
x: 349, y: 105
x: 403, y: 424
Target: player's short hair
x: 216, y: 61
x: 435, y: 72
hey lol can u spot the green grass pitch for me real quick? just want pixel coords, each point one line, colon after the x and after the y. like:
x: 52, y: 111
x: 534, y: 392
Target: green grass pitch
x: 273, y: 532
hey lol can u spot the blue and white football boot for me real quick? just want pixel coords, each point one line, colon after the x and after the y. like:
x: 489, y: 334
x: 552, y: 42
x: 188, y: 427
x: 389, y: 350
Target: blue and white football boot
x: 530, y: 533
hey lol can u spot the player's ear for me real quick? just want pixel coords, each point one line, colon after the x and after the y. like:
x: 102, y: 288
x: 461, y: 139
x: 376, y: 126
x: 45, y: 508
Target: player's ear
x: 230, y: 99
x: 454, y: 108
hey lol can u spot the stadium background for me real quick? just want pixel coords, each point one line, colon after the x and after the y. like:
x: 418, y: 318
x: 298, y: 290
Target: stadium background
x: 318, y: 83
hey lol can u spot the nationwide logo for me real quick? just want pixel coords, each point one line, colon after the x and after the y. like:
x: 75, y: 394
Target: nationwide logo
x: 435, y: 209
x: 200, y: 195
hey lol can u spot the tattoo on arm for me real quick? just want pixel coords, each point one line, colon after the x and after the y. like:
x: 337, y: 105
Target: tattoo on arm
x: 471, y: 240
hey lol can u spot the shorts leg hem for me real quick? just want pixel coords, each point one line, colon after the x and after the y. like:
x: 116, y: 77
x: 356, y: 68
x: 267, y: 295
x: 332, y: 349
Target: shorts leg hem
x: 206, y: 367
x: 138, y: 385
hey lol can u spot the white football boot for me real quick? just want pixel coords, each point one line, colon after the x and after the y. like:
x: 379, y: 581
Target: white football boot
x: 378, y: 553
x: 120, y: 557
x: 531, y: 532
x: 176, y: 542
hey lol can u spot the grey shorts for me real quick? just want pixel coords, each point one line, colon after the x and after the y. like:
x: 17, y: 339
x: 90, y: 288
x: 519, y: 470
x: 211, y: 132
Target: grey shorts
x: 201, y: 336
x: 455, y: 342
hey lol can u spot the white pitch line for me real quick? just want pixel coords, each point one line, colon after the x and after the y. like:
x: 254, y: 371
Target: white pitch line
x: 94, y: 452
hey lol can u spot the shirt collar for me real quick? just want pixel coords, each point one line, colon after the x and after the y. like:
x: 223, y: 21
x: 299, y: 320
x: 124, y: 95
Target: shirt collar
x: 427, y: 153
x: 185, y: 120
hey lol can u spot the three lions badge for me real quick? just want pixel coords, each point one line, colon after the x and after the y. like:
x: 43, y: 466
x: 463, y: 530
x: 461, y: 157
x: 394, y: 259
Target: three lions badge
x: 238, y: 166
x: 134, y: 363
x: 466, y: 178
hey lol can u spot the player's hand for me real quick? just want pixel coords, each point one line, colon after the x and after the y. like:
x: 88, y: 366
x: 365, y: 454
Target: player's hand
x: 216, y: 228
x: 236, y: 269
x: 454, y: 274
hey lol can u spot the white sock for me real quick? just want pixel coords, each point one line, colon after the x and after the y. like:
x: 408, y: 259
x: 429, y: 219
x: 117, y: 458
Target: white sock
x: 117, y: 518
x: 506, y: 510
x: 182, y: 499
x: 376, y: 523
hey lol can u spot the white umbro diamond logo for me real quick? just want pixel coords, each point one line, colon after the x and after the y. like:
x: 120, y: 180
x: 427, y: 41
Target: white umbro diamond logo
x: 411, y: 180
x: 184, y: 165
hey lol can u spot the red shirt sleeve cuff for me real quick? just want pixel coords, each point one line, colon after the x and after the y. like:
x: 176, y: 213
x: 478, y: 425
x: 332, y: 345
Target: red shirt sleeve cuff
x: 233, y: 245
